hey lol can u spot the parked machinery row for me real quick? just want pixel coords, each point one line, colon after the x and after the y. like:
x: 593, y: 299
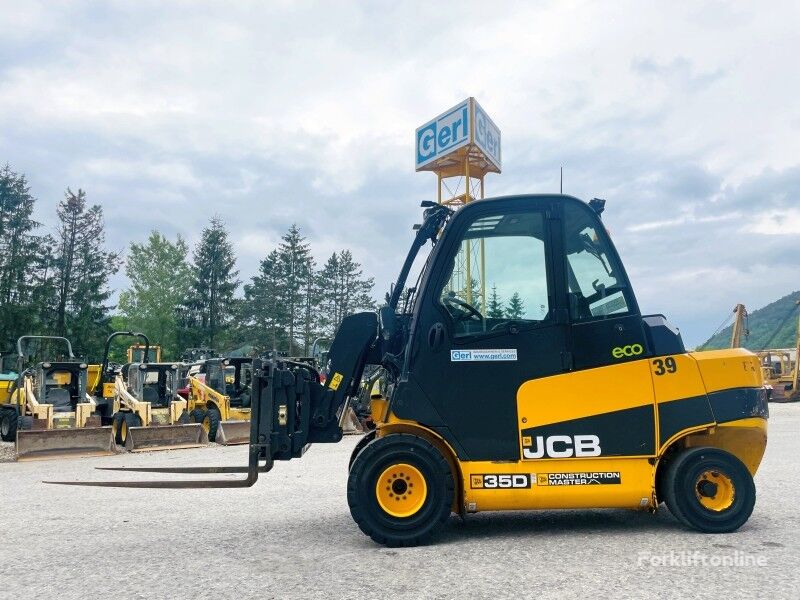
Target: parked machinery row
x: 53, y: 404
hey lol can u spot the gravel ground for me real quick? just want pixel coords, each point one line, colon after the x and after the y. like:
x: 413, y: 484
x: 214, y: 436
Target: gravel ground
x: 291, y: 536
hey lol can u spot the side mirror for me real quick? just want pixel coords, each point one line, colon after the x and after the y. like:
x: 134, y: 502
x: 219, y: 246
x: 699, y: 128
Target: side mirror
x: 388, y: 322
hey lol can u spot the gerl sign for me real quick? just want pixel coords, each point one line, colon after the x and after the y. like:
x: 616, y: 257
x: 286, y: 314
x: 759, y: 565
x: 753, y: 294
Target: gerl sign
x: 464, y: 124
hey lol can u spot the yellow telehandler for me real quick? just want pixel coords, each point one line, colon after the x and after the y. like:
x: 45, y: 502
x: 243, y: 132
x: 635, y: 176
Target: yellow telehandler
x: 219, y: 399
x: 573, y: 400
x: 148, y: 413
x: 49, y: 411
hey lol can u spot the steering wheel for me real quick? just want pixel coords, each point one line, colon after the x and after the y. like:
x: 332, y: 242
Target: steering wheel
x: 471, y: 311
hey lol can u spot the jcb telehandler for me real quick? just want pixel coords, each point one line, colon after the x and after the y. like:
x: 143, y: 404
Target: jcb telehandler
x: 148, y: 413
x: 575, y: 400
x: 48, y: 411
x: 219, y: 399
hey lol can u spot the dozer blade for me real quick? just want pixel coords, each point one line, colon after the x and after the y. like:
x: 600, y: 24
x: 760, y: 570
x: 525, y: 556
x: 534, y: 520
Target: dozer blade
x: 166, y: 437
x: 230, y: 433
x: 34, y: 444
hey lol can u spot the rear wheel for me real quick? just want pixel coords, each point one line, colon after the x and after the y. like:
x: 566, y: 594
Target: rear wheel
x: 400, y: 490
x: 709, y: 490
x: 8, y: 425
x: 116, y: 427
x: 211, y: 423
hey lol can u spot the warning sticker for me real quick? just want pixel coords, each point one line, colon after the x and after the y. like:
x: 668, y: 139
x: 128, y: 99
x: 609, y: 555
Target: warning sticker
x: 598, y: 478
x: 336, y: 380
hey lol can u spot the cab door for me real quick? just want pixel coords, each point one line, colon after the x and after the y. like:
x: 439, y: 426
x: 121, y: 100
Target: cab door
x: 605, y: 406
x: 490, y: 319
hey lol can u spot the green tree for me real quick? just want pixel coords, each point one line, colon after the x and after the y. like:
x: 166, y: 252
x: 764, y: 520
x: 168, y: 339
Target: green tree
x: 212, y: 301
x: 160, y: 277
x: 344, y: 290
x: 495, y: 305
x: 19, y: 252
x: 263, y: 314
x: 515, y: 309
x: 81, y: 269
x: 293, y: 289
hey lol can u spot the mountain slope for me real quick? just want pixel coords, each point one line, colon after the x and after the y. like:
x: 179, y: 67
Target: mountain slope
x: 773, y: 326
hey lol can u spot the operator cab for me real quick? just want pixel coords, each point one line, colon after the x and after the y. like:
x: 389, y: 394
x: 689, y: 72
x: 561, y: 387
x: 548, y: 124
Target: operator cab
x: 231, y: 377
x: 61, y: 384
x: 156, y: 383
x: 515, y: 289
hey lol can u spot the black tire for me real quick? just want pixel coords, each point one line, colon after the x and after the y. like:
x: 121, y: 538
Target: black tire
x: 131, y: 420
x: 196, y: 416
x: 211, y: 423
x: 685, y: 475
x: 25, y: 423
x: 390, y: 452
x: 8, y: 425
x: 116, y: 428
x: 366, y: 439
x: 183, y: 419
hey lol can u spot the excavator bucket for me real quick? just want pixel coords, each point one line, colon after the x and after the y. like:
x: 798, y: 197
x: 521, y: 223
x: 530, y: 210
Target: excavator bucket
x: 33, y: 444
x: 231, y: 433
x: 166, y: 437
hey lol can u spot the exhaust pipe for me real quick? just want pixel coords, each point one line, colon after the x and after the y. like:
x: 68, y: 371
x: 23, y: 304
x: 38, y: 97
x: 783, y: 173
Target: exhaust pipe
x: 165, y: 437
x: 34, y: 444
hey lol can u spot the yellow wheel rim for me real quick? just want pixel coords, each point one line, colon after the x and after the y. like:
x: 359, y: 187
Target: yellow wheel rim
x: 715, y: 490
x: 401, y: 490
x: 124, y: 431
x: 206, y: 424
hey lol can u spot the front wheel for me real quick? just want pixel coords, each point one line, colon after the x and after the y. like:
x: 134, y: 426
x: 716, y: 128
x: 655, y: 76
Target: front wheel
x: 8, y: 425
x: 400, y: 490
x: 709, y: 490
x: 129, y: 420
x: 211, y: 423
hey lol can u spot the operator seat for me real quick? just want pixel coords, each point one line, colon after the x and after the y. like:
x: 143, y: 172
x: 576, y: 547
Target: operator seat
x: 150, y: 394
x: 60, y: 399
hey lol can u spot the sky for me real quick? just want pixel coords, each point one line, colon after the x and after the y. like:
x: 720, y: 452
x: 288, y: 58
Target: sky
x: 684, y: 116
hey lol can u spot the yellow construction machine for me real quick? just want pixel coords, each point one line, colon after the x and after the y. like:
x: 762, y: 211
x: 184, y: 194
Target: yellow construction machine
x: 148, y: 413
x: 142, y: 353
x: 574, y: 400
x: 219, y: 399
x: 48, y: 410
x: 781, y: 370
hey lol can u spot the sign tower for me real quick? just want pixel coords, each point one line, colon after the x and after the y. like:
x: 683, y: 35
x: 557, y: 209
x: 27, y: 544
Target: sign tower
x: 461, y: 146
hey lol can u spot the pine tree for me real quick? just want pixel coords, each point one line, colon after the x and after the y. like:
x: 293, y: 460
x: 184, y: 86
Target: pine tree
x: 515, y: 308
x: 263, y: 314
x: 81, y: 269
x: 344, y: 290
x: 212, y: 304
x: 19, y: 252
x: 296, y: 264
x: 159, y: 277
x: 495, y: 308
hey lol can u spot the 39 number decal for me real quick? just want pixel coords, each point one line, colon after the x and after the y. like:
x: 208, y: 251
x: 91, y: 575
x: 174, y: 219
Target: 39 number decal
x: 665, y: 365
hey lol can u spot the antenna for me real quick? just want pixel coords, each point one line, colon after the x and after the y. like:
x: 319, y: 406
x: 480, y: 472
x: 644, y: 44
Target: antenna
x: 561, y: 185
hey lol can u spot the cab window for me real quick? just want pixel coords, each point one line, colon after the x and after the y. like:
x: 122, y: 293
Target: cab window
x: 498, y: 276
x: 596, y: 282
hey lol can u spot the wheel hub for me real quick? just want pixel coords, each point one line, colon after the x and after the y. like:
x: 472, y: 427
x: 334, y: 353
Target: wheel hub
x: 401, y: 490
x: 715, y: 490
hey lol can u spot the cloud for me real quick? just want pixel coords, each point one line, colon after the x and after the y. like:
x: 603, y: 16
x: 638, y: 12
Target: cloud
x: 276, y: 113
